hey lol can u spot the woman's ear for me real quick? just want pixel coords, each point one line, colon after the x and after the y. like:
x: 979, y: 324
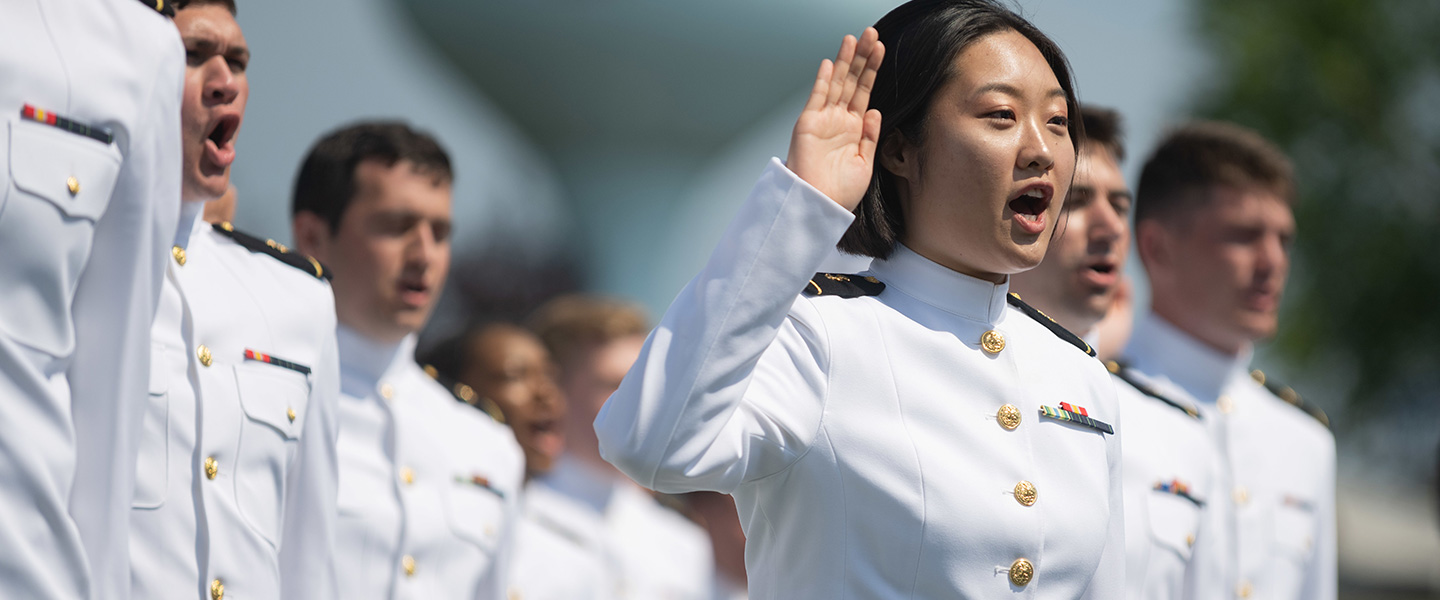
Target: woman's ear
x: 897, y: 156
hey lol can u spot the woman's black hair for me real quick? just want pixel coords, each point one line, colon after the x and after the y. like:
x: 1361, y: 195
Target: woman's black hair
x: 922, y: 39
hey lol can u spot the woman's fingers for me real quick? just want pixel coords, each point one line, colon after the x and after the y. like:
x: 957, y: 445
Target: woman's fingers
x: 870, y: 135
x: 860, y: 99
x: 821, y: 89
x: 841, y: 70
x: 858, y: 65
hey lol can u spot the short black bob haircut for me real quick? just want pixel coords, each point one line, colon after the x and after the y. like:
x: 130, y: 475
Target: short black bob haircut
x: 922, y: 39
x: 326, y: 183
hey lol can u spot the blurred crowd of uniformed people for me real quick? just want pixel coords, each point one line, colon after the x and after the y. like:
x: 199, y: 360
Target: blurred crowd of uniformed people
x: 191, y: 411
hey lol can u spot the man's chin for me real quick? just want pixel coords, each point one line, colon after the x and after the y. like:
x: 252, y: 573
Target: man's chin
x: 204, y: 188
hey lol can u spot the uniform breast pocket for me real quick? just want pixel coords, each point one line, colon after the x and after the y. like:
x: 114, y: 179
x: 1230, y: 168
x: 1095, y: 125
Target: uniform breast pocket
x: 152, y: 473
x: 59, y: 185
x: 1294, y: 529
x: 1174, y: 521
x: 476, y: 511
x: 274, y: 401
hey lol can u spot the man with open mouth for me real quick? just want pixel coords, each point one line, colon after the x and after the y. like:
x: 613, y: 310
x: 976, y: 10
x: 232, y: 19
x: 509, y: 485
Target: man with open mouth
x: 1172, y: 545
x: 428, y: 485
x: 235, y: 491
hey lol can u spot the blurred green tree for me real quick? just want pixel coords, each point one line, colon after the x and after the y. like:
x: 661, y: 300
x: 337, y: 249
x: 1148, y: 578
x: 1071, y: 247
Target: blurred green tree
x: 1351, y: 90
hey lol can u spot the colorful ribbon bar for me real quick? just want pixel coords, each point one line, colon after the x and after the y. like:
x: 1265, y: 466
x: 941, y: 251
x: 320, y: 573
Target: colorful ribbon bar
x: 98, y: 134
x: 1061, y: 414
x: 1178, y: 488
x: 480, y: 482
x: 267, y: 359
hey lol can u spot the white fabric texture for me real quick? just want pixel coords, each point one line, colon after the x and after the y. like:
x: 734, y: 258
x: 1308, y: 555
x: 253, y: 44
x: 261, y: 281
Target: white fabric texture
x: 1277, y: 467
x: 264, y: 524
x: 422, y: 476
x: 80, y: 273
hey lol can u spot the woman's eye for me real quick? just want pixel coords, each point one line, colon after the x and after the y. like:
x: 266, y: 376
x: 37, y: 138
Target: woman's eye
x: 1060, y: 120
x: 1004, y: 113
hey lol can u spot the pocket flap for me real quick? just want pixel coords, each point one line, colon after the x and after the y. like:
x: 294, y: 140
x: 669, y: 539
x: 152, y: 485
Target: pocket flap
x: 1174, y: 522
x: 476, y: 511
x: 1295, y: 527
x: 75, y: 173
x: 273, y: 396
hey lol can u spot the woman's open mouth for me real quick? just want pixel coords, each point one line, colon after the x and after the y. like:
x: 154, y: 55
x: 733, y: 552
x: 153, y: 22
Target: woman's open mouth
x: 1029, y: 208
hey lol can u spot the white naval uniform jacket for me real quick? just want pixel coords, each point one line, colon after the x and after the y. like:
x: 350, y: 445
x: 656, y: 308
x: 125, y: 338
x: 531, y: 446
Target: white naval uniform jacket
x: 860, y: 436
x: 428, y: 485
x: 1173, y: 544
x: 649, y: 551
x: 1277, y: 468
x: 559, y: 553
x: 85, y: 226
x: 235, y: 494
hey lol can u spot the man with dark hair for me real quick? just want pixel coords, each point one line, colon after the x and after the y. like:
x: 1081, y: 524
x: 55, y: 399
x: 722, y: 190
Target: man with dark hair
x: 89, y: 196
x: 656, y: 552
x: 428, y: 485
x: 1173, y: 548
x: 1214, y: 225
x: 236, y: 480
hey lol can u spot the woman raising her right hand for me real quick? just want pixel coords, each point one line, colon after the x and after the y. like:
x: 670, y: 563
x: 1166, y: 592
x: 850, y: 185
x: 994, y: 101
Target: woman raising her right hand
x: 912, y: 431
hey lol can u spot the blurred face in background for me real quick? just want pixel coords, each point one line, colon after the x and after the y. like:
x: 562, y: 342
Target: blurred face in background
x: 587, y: 379
x: 1077, y: 282
x: 391, y: 252
x: 1217, y: 270
x: 213, y: 104
x: 510, y: 367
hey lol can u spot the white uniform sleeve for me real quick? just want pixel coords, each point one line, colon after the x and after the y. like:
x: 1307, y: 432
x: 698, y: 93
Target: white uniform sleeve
x: 311, y: 488
x: 727, y: 389
x: 1109, y: 579
x: 115, y: 301
x: 1321, y: 579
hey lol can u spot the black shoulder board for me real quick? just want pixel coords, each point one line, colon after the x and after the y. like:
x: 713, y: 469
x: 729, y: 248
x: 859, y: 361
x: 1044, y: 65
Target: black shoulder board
x: 466, y: 394
x: 164, y: 7
x: 275, y: 249
x: 844, y: 286
x: 1049, y: 323
x: 1290, y: 396
x: 1121, y: 370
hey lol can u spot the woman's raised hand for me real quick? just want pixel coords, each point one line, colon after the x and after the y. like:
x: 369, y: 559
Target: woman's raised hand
x: 833, y: 145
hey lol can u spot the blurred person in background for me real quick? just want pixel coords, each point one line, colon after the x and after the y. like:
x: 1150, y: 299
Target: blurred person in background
x: 504, y: 368
x: 428, y: 486
x: 235, y: 490
x: 1214, y: 225
x: 88, y: 204
x: 652, y: 550
x: 716, y: 513
x: 1172, y: 546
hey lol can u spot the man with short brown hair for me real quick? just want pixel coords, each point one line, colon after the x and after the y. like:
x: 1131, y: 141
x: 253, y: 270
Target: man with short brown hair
x: 428, y: 484
x: 1214, y: 224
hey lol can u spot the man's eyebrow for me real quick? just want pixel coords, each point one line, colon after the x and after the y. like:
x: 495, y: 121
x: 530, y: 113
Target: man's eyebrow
x: 205, y: 44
